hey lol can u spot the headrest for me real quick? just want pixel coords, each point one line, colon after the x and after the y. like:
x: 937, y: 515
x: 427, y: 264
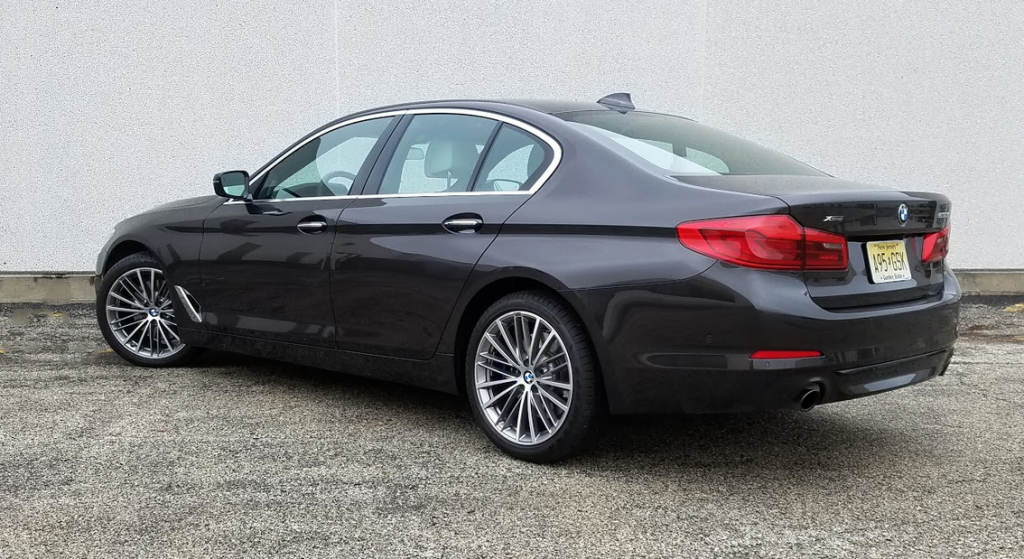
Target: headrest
x: 450, y: 156
x: 536, y: 158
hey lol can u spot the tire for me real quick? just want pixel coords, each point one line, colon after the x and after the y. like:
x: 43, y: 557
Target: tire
x: 125, y: 307
x: 497, y: 384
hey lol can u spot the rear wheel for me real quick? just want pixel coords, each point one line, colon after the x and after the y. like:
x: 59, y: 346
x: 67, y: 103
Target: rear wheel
x: 531, y: 378
x: 136, y: 314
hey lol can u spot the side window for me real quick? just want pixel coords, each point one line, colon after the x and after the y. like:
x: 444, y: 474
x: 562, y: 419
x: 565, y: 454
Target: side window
x: 513, y: 162
x: 437, y: 153
x: 326, y: 166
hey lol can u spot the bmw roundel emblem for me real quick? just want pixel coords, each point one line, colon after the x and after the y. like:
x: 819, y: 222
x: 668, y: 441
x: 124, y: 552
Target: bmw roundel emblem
x: 904, y: 214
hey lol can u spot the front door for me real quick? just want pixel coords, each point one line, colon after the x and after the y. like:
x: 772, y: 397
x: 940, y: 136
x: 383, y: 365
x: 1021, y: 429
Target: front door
x: 404, y: 250
x: 264, y: 264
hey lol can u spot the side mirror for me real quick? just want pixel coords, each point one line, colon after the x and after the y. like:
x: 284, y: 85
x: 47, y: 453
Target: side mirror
x: 233, y: 185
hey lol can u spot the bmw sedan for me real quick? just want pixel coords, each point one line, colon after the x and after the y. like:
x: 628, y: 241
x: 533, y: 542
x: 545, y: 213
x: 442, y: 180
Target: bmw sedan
x: 554, y: 262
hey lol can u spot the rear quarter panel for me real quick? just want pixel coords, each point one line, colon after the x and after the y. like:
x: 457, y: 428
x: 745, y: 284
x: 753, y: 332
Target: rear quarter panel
x: 600, y: 222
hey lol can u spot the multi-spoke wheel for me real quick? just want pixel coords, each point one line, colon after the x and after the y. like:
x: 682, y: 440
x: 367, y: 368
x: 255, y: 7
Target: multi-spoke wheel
x: 136, y: 313
x: 523, y: 377
x: 531, y: 378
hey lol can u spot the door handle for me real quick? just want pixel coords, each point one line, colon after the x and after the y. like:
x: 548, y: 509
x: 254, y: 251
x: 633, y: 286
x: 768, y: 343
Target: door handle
x: 314, y: 227
x: 463, y: 224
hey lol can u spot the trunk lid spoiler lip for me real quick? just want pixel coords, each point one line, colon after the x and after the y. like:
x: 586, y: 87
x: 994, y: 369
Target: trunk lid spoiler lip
x: 844, y: 206
x: 802, y: 188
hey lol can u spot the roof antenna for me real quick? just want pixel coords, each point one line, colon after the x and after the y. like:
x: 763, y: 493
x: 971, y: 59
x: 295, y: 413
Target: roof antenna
x: 618, y: 101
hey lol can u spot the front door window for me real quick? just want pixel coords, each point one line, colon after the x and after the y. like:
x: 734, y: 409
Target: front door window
x: 326, y: 166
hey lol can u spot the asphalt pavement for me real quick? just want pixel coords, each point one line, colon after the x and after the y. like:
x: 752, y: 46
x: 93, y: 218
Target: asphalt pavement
x: 237, y: 457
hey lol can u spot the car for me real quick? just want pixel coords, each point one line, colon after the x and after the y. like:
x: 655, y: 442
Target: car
x: 555, y: 262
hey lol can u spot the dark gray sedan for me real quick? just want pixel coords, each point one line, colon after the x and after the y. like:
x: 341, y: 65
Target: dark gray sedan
x: 555, y: 262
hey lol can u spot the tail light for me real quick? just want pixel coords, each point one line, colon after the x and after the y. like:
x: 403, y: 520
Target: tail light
x: 767, y: 242
x: 772, y: 354
x: 936, y: 246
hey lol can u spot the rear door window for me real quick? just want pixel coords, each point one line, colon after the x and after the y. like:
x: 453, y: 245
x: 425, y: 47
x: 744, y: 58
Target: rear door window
x: 437, y: 153
x: 514, y: 161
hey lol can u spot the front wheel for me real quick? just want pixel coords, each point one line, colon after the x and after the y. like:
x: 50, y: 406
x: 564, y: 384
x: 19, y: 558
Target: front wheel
x: 136, y: 314
x: 531, y: 378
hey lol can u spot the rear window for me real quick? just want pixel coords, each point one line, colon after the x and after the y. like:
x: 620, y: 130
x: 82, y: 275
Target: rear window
x: 681, y: 146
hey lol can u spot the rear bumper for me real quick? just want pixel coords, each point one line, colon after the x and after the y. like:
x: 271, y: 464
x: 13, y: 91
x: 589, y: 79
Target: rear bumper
x: 685, y: 346
x: 706, y: 391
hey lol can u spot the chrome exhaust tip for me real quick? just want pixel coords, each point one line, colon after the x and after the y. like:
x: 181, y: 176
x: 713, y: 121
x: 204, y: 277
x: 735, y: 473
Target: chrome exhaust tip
x: 809, y: 398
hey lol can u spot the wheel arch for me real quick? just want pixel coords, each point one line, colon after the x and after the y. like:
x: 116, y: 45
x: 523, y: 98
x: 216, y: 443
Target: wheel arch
x: 487, y: 293
x: 123, y: 249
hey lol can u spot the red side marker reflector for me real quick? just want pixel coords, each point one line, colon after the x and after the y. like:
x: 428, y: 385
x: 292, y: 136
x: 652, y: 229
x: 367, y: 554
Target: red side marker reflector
x: 784, y: 354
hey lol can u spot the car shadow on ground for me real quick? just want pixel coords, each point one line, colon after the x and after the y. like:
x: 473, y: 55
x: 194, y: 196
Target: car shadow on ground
x: 801, y: 446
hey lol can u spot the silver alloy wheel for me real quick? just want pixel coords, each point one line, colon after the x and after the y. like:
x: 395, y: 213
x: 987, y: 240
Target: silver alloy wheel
x: 141, y: 316
x: 523, y: 378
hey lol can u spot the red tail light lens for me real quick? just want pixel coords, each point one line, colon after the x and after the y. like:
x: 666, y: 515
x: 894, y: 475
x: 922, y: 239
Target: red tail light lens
x: 767, y: 242
x: 771, y: 354
x: 936, y: 246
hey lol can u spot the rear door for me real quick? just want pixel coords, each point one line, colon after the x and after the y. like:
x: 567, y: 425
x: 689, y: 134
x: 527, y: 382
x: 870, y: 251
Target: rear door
x: 435, y: 201
x: 264, y: 264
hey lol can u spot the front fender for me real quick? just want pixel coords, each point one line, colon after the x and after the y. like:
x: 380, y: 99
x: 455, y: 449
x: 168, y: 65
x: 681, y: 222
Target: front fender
x: 172, y: 233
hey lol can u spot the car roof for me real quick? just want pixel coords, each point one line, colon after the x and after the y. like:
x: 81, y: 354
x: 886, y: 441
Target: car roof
x: 552, y: 106
x: 511, y: 107
x: 549, y: 106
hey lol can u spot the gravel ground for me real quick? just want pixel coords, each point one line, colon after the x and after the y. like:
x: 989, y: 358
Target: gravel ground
x: 240, y: 457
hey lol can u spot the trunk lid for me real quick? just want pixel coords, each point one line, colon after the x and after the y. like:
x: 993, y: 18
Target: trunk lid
x: 863, y: 214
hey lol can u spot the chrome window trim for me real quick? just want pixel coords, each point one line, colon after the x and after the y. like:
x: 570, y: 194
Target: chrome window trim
x: 310, y: 199
x: 556, y: 155
x: 439, y: 194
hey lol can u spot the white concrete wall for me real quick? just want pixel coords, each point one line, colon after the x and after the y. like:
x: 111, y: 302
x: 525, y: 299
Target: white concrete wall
x: 111, y: 107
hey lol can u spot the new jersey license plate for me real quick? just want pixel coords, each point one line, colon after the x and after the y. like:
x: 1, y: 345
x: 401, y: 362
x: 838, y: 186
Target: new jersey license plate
x: 887, y: 261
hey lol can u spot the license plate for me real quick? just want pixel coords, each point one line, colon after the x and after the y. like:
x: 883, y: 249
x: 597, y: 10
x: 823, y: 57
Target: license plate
x: 887, y: 261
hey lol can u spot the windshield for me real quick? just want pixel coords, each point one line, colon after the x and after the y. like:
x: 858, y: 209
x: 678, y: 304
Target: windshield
x: 681, y: 146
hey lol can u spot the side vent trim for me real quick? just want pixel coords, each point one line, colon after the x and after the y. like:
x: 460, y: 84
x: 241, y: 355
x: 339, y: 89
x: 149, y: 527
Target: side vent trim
x: 190, y: 304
